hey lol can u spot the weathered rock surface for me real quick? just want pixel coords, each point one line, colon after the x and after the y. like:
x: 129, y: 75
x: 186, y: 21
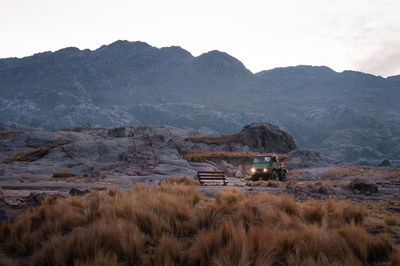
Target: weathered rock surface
x: 302, y: 158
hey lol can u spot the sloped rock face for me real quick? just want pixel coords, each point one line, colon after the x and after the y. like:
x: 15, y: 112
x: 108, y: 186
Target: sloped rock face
x: 302, y: 158
x: 265, y: 137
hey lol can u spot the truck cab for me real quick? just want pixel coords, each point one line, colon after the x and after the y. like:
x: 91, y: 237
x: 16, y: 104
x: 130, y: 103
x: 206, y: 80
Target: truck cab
x: 268, y: 167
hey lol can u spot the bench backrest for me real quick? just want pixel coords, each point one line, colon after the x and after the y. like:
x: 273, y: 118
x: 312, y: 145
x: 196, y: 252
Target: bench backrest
x: 209, y: 176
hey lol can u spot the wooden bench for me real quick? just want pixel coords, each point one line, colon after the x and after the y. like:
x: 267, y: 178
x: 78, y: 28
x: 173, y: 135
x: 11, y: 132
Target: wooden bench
x: 211, y: 176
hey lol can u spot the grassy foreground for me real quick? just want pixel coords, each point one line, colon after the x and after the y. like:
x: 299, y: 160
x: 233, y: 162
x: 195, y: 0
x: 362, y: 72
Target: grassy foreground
x: 173, y: 224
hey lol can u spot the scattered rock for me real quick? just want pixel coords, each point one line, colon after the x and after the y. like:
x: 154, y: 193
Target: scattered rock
x: 324, y: 190
x: 385, y: 163
x: 35, y: 199
x: 364, y: 185
x: 117, y: 132
x: 77, y: 192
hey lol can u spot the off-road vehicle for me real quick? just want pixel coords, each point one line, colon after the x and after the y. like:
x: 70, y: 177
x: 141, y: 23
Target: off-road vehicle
x: 268, y: 168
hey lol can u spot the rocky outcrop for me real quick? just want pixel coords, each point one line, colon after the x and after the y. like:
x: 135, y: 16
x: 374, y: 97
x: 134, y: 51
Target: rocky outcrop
x: 265, y: 137
x: 140, y: 151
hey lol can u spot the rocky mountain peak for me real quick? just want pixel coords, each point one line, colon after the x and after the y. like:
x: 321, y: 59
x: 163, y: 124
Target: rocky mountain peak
x: 220, y: 62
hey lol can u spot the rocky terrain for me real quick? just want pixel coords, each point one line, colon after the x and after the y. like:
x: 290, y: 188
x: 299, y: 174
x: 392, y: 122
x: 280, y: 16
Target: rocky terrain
x: 351, y: 116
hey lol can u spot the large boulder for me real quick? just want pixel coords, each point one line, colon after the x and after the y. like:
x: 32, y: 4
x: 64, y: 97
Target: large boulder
x: 385, y: 163
x: 265, y: 137
x: 364, y: 185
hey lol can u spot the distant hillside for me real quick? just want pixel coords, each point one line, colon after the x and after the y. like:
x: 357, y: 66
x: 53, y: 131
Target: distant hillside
x: 350, y: 115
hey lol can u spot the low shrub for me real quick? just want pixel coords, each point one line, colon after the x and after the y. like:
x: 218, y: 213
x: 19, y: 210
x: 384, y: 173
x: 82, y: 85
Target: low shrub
x: 223, y: 139
x: 203, y: 155
x: 63, y: 174
x: 32, y: 155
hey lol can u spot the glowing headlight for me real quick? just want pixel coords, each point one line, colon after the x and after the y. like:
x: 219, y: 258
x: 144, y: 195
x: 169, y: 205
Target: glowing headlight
x: 265, y: 170
x: 253, y: 170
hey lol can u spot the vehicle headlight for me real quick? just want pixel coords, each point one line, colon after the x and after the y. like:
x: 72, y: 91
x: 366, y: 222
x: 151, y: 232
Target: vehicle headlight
x: 253, y: 170
x: 265, y: 170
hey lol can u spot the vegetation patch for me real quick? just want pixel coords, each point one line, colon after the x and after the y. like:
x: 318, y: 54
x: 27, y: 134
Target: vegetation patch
x: 63, y: 174
x: 32, y: 155
x: 173, y: 224
x: 223, y: 139
x: 347, y: 172
x: 269, y: 183
x: 203, y: 155
x: 181, y: 180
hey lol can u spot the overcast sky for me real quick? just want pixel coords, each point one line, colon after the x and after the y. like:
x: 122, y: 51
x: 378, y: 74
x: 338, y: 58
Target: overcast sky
x: 361, y: 35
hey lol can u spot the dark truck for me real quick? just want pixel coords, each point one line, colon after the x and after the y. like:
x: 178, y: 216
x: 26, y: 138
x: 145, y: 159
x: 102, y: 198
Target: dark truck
x: 268, y: 168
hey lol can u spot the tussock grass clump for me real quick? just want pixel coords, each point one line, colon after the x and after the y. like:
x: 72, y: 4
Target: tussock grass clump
x: 269, y: 183
x: 32, y: 155
x: 181, y: 180
x: 63, y: 174
x: 392, y: 220
x: 173, y: 224
x: 223, y: 139
x: 203, y: 155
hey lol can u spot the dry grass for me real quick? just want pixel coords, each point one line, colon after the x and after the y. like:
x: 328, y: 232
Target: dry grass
x: 392, y: 220
x: 269, y: 183
x: 223, y: 139
x: 32, y: 155
x: 173, y: 224
x: 63, y: 174
x: 347, y: 172
x: 202, y: 155
x: 395, y: 259
x: 181, y: 180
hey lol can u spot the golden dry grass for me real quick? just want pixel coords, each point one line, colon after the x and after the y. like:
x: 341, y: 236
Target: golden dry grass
x: 32, y: 155
x: 181, y: 180
x: 203, y: 155
x: 63, y: 174
x: 173, y: 224
x: 229, y: 138
x: 347, y: 172
x: 269, y: 183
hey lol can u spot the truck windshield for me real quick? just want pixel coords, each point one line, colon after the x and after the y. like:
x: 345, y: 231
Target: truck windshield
x: 262, y: 159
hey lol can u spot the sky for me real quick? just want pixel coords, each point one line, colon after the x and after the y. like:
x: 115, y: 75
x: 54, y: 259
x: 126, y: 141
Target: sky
x: 361, y: 35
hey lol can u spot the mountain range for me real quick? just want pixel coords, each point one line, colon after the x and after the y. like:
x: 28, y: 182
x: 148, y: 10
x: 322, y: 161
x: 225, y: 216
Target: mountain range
x: 351, y: 116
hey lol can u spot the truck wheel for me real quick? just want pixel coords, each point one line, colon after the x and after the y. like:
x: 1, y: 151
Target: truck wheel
x: 282, y: 177
x: 254, y: 178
